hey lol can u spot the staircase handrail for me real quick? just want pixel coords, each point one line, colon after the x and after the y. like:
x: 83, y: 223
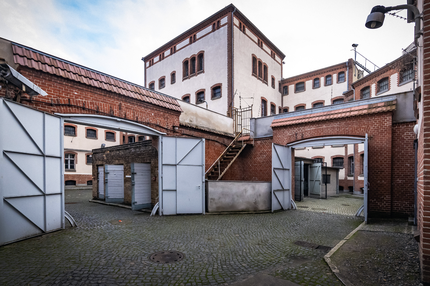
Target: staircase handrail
x: 234, y: 140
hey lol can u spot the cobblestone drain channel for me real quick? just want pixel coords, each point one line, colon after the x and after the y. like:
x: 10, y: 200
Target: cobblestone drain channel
x: 112, y: 246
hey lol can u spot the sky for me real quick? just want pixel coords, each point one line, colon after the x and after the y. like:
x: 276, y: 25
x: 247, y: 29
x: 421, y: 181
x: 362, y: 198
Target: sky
x: 113, y: 36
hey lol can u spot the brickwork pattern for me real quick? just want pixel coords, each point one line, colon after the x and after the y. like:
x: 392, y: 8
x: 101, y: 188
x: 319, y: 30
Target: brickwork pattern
x: 377, y: 126
x: 66, y: 96
x: 79, y: 178
x: 139, y: 152
x: 403, y: 161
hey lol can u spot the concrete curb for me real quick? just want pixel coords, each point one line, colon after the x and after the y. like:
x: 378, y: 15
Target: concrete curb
x: 333, y: 267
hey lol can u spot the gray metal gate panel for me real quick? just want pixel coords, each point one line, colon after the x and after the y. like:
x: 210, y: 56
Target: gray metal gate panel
x: 31, y: 168
x: 182, y: 189
x: 100, y: 182
x: 366, y: 176
x: 281, y: 177
x: 114, y: 183
x: 299, y: 179
x: 141, y: 185
x: 315, y: 179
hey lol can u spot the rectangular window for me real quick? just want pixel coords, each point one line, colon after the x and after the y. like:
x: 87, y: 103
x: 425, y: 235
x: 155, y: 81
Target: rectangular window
x: 69, y: 161
x: 131, y: 139
x: 341, y: 77
x: 265, y: 73
x: 91, y: 133
x: 161, y: 83
x: 185, y: 69
x: 69, y: 130
x: 89, y: 159
x: 193, y: 65
x: 254, y: 65
x: 338, y: 162
x: 272, y: 109
x: 152, y: 86
x: 328, y: 80
x: 260, y: 68
x: 273, y: 82
x: 316, y: 82
x: 407, y: 75
x: 365, y: 93
x: 263, y: 108
x: 285, y: 90
x: 300, y: 86
x: 200, y: 62
x: 172, y: 78
x: 110, y: 136
x: 325, y: 179
x: 383, y: 85
x: 351, y: 166
x: 216, y: 92
x: 200, y: 97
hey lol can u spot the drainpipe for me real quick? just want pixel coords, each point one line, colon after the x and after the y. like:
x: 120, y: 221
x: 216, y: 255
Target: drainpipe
x: 347, y: 76
x: 232, y: 59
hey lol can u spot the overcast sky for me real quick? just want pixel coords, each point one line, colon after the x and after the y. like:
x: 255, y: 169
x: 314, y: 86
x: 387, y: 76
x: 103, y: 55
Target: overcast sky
x: 113, y: 36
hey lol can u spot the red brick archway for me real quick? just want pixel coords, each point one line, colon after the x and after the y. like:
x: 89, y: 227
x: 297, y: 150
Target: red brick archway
x: 390, y: 149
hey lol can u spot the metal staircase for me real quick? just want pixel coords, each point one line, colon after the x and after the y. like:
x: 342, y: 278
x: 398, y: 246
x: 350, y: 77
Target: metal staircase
x: 226, y: 159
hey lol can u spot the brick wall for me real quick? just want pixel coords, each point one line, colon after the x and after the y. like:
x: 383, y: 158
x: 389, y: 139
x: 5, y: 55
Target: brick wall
x: 67, y: 96
x: 139, y: 152
x: 378, y: 127
x: 403, y: 161
x: 79, y: 179
x: 254, y: 163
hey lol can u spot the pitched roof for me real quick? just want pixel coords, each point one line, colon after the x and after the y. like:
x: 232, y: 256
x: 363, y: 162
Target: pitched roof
x: 29, y: 57
x: 336, y: 114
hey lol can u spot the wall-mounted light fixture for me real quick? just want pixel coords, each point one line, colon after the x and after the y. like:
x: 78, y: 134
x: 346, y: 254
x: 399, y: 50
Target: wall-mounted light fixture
x: 376, y: 18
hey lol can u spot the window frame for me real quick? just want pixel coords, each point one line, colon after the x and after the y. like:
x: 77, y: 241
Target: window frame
x: 263, y: 107
x: 297, y: 84
x: 300, y: 106
x: 254, y: 65
x: 185, y: 96
x: 285, y: 88
x: 153, y: 85
x: 200, y: 62
x: 131, y: 136
x: 337, y: 158
x: 67, y: 161
x: 273, y: 82
x: 114, y: 135
x: 326, y: 80
x: 272, y: 108
x: 366, y: 88
x: 86, y: 158
x: 384, y: 82
x: 162, y: 82
x: 333, y: 100
x: 173, y: 77
x: 218, y: 85
x: 93, y: 129
x: 204, y: 96
x: 185, y: 69
x: 75, y: 128
x: 314, y: 81
x: 409, y: 70
x: 192, y: 69
x: 320, y: 103
x: 338, y: 77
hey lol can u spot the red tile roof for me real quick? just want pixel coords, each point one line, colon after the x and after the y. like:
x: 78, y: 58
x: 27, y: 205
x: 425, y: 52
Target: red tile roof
x: 336, y: 114
x: 31, y: 58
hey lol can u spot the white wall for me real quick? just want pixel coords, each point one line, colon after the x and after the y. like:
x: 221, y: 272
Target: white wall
x: 82, y: 145
x: 245, y: 84
x: 214, y: 45
x: 394, y: 88
x: 200, y: 117
x: 325, y: 93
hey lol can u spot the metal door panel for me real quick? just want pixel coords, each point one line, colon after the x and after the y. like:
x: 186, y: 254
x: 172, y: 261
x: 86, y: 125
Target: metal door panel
x: 30, y: 207
x: 114, y: 183
x: 31, y: 168
x: 53, y: 135
x: 189, y: 152
x: 189, y: 161
x: 169, y: 178
x: 169, y: 150
x: 26, y: 163
x: 141, y: 185
x: 53, y: 179
x: 299, y: 180
x: 315, y: 179
x: 101, y: 182
x: 281, y: 177
x: 32, y: 121
x: 169, y: 203
x: 53, y: 211
x: 189, y: 193
x: 366, y: 176
x: 15, y: 182
x: 20, y: 142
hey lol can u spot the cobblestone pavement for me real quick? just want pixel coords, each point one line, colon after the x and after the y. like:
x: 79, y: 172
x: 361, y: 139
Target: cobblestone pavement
x: 343, y: 204
x: 111, y: 246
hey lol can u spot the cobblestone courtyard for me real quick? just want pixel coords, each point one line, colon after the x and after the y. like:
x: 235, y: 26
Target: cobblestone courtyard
x: 111, y: 246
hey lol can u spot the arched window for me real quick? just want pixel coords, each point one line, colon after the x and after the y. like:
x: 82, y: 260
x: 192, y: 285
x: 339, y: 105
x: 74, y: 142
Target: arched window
x: 341, y: 77
x: 263, y: 107
x: 192, y: 65
x: 69, y: 130
x: 383, y: 85
x: 216, y: 92
x: 185, y: 69
x: 200, y: 97
x: 186, y: 98
x: 254, y: 65
x: 365, y: 92
x: 300, y: 86
x: 328, y: 80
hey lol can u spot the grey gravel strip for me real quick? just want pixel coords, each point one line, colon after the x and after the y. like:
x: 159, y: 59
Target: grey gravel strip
x: 333, y: 267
